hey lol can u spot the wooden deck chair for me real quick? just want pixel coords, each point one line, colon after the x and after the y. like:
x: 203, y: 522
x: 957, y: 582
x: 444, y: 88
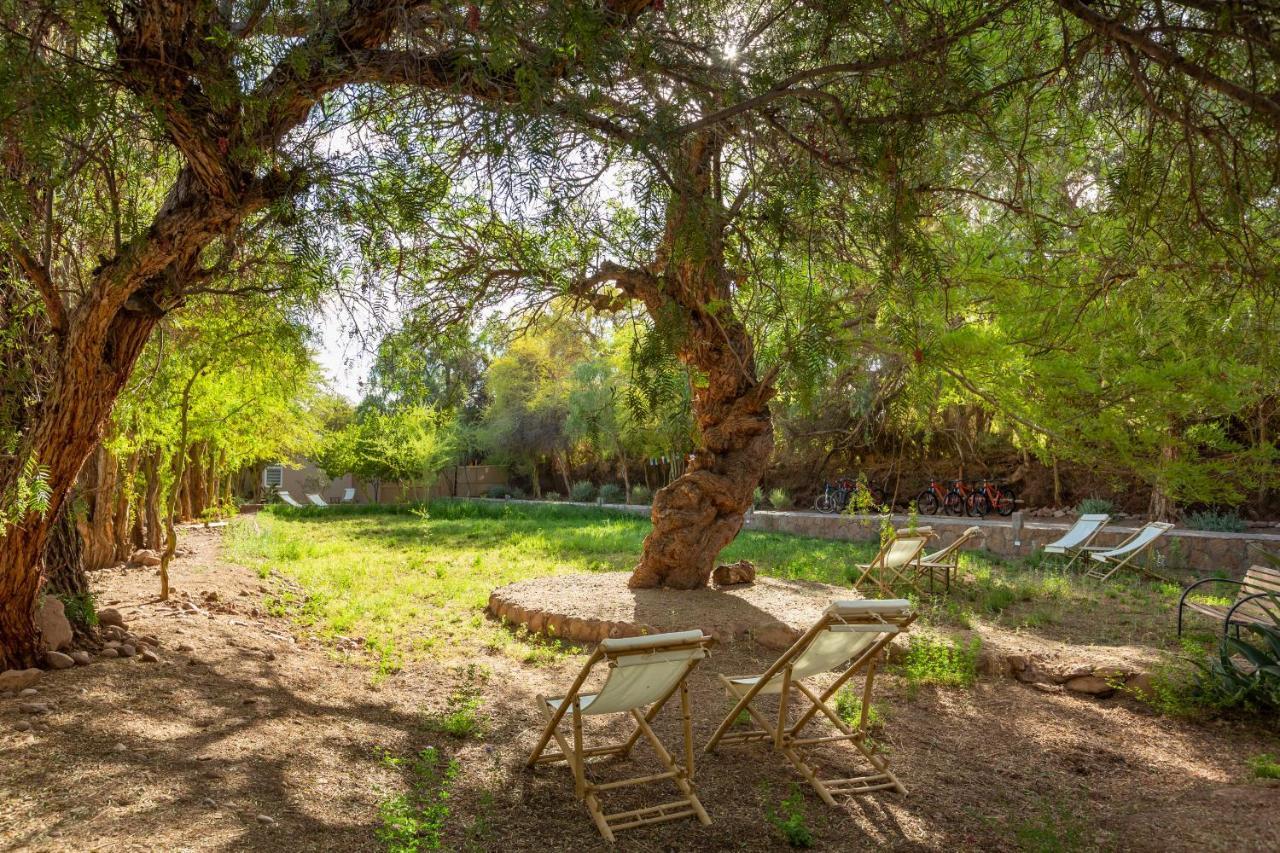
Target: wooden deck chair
x: 348, y: 496
x: 898, y: 560
x: 316, y: 499
x: 852, y: 632
x: 643, y: 672
x: 1114, y: 559
x: 947, y: 561
x: 288, y: 498
x: 1078, y: 541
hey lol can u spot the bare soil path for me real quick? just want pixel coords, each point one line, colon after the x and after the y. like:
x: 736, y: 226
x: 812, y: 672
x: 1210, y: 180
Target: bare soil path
x: 251, y: 735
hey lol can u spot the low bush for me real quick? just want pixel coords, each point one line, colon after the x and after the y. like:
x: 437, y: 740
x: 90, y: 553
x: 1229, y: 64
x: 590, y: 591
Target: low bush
x: 1265, y: 766
x: 641, y: 495
x: 551, y: 496
x: 1219, y: 522
x: 611, y: 493
x: 941, y: 662
x: 790, y: 820
x: 757, y: 497
x: 583, y: 492
x: 779, y: 499
x: 497, y: 492
x: 1095, y: 506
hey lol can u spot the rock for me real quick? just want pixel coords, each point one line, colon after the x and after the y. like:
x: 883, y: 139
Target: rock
x: 109, y: 653
x: 742, y: 571
x: 267, y: 819
x: 1091, y: 685
x: 34, y: 707
x: 19, y: 679
x: 22, y: 726
x: 1046, y: 688
x: 776, y: 635
x: 119, y: 748
x: 127, y: 651
x: 185, y: 647
x: 1140, y: 684
x: 114, y: 633
x: 112, y: 644
x: 1058, y: 513
x: 51, y: 621
x: 110, y: 618
x: 144, y: 557
x: 149, y: 656
x: 57, y: 660
x: 81, y: 657
x: 208, y: 802
x: 29, y: 691
x: 147, y: 639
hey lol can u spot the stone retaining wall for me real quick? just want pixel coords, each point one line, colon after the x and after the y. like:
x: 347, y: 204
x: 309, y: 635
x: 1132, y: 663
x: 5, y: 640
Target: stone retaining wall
x: 1200, y: 551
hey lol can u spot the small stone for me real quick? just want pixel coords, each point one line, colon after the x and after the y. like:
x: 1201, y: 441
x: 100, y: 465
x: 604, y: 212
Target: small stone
x: 19, y: 679
x: 1047, y: 688
x: 208, y: 802
x: 57, y: 660
x: 185, y: 647
x: 149, y: 640
x: 127, y: 651
x: 22, y: 726
x: 119, y: 747
x: 110, y: 617
x: 81, y: 657
x: 149, y: 656
x: 144, y: 557
x: 34, y: 708
x: 30, y: 691
x: 109, y: 653
x: 266, y: 819
x: 741, y: 572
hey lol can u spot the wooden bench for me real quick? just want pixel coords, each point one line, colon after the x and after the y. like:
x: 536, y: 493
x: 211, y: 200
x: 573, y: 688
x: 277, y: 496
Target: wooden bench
x: 1255, y: 604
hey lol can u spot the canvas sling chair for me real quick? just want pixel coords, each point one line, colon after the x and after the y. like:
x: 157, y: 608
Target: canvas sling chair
x: 1078, y: 541
x: 852, y: 632
x: 316, y: 500
x: 288, y: 498
x: 947, y: 561
x: 1114, y: 559
x: 644, y: 672
x: 898, y: 561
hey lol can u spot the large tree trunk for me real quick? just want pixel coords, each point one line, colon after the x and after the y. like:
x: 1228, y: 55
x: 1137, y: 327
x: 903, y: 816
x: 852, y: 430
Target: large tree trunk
x: 701, y: 512
x: 98, y: 528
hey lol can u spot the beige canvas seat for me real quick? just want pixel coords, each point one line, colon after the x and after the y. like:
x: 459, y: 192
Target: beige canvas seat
x: 644, y: 672
x: 1114, y: 559
x: 947, y: 561
x: 898, y: 561
x: 849, y: 632
x: 1078, y: 541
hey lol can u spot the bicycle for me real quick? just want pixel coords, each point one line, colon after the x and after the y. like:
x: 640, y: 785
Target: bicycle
x: 992, y: 495
x: 934, y: 498
x: 835, y: 496
x: 959, y: 501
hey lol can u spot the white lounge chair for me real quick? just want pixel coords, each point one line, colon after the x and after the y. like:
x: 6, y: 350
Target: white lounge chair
x: 316, y: 499
x: 348, y: 496
x: 898, y: 560
x: 1077, y: 541
x: 852, y: 632
x: 288, y: 498
x: 643, y: 672
x: 1114, y: 559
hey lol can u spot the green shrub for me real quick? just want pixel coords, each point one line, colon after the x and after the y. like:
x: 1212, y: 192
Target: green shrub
x: 779, y: 499
x: 80, y: 609
x: 942, y: 662
x: 757, y: 497
x: 1245, y: 674
x: 1265, y: 766
x: 790, y: 820
x: 611, y: 493
x: 1095, y: 506
x: 1219, y: 522
x: 849, y: 709
x: 497, y: 492
x: 583, y: 492
x: 516, y: 493
x: 551, y: 496
x: 641, y: 495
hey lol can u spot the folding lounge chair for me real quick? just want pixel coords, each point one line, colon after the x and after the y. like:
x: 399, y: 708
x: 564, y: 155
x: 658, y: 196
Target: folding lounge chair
x: 288, y: 498
x: 1116, y: 558
x: 852, y: 632
x: 1078, y: 540
x: 947, y: 561
x: 897, y: 560
x: 316, y: 500
x: 643, y: 671
x: 348, y: 496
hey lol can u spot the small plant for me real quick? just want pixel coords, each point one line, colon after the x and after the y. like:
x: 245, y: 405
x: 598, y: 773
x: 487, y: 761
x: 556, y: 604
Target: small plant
x: 498, y: 492
x: 849, y: 709
x: 612, y: 493
x: 1219, y: 522
x: 941, y: 662
x: 516, y: 493
x: 641, y: 495
x: 757, y: 497
x: 1245, y: 674
x: 551, y: 496
x: 583, y: 492
x: 459, y: 718
x: 779, y: 499
x: 80, y: 609
x: 415, y: 821
x: 1095, y: 506
x: 1264, y: 766
x: 1053, y: 830
x: 790, y: 821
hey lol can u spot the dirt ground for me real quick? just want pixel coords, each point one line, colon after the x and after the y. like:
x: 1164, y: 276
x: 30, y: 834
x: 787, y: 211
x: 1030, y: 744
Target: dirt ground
x: 260, y: 737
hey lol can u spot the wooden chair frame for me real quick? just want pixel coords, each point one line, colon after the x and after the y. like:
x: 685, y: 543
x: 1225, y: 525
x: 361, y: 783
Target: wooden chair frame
x: 1112, y: 565
x: 885, y: 575
x: 947, y: 559
x: 576, y: 753
x: 785, y: 736
x: 1085, y: 546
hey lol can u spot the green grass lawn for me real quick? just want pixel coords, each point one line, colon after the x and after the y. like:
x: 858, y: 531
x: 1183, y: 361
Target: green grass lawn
x: 411, y: 582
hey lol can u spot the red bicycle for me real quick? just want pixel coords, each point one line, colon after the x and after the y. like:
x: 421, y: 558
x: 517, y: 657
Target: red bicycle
x: 993, y: 496
x: 934, y: 498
